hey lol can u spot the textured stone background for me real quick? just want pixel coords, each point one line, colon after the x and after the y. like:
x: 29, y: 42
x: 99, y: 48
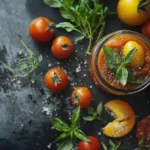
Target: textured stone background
x: 23, y: 124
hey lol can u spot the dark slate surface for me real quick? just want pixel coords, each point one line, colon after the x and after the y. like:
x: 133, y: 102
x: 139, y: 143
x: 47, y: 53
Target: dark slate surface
x: 23, y: 124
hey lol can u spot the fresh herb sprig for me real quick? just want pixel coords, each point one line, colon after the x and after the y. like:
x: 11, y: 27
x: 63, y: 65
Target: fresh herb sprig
x: 86, y: 17
x: 114, y: 63
x: 94, y: 115
x: 112, y: 146
x: 26, y: 65
x: 70, y: 134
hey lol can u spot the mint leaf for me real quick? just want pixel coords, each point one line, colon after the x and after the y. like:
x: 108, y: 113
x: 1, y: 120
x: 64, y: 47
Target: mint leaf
x: 53, y: 3
x: 76, y: 117
x: 127, y: 59
x: 59, y: 125
x: 66, y: 25
x: 65, y: 145
x: 122, y: 75
x: 113, y: 59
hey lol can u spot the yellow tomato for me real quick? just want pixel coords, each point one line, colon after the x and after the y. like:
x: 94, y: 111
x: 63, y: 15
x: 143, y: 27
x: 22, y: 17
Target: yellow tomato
x: 138, y: 57
x: 128, y: 12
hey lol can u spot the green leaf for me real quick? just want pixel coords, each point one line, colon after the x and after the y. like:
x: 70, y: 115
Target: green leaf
x: 65, y: 145
x: 59, y: 125
x: 62, y: 137
x: 81, y: 136
x: 113, y: 58
x: 89, y: 118
x: 76, y: 117
x: 66, y: 25
x: 104, y: 146
x: 8, y: 67
x: 90, y: 110
x: 40, y: 58
x: 127, y: 59
x: 132, y: 78
x: 53, y: 3
x: 80, y: 38
x: 122, y: 75
x: 65, y: 14
x: 99, y: 109
x: 112, y: 144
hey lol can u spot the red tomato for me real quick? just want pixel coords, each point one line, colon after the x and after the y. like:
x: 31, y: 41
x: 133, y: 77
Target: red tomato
x: 143, y: 130
x: 81, y: 96
x: 146, y: 29
x: 93, y: 145
x: 41, y: 29
x: 56, y: 80
x: 62, y: 47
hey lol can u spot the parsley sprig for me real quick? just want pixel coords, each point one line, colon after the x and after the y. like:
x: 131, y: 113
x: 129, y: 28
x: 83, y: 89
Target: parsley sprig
x: 70, y: 134
x: 26, y: 65
x: 86, y: 17
x: 119, y: 65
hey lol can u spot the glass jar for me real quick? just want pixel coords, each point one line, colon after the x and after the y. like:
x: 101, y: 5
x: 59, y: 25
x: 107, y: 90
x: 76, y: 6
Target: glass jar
x: 95, y: 73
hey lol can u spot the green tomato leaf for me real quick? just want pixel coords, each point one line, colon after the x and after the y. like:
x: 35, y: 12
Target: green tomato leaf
x: 81, y: 136
x: 66, y: 145
x: 127, y: 59
x: 132, y: 78
x: 53, y: 3
x: 89, y: 118
x: 76, y: 117
x: 59, y: 125
x: 113, y: 58
x: 66, y: 25
x: 99, y: 109
x: 122, y: 75
x: 62, y: 137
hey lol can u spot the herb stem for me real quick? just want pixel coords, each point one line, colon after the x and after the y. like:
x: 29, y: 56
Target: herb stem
x: 101, y: 32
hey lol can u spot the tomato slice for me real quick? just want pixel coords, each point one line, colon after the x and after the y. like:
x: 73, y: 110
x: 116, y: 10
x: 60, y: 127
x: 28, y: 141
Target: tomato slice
x: 143, y: 130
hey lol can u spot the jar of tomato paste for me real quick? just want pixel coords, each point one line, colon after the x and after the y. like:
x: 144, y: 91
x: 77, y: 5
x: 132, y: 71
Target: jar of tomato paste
x: 120, y: 63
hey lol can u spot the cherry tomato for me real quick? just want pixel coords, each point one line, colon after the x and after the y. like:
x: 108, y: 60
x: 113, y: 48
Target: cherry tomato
x: 93, y: 145
x: 56, y: 80
x: 143, y: 130
x: 128, y: 13
x: 41, y: 29
x: 146, y: 29
x: 62, y: 47
x: 81, y: 96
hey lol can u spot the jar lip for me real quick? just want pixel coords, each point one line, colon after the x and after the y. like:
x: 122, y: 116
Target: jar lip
x: 97, y: 49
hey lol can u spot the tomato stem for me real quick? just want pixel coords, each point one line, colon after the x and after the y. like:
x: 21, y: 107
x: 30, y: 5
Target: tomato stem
x: 142, y: 5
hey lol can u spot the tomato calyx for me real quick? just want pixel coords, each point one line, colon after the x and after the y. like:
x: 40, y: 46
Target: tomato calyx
x: 56, y: 79
x: 142, y: 4
x: 76, y: 98
x: 65, y: 46
x: 50, y: 26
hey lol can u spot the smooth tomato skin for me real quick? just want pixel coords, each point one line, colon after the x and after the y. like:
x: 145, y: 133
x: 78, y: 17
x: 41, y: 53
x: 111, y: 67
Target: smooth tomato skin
x: 49, y: 82
x: 127, y: 12
x: 143, y: 130
x: 146, y: 29
x: 57, y: 49
x: 93, y: 145
x: 38, y: 32
x: 85, y: 97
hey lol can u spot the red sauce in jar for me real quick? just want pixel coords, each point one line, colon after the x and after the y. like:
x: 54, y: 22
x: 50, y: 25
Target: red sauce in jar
x: 141, y: 73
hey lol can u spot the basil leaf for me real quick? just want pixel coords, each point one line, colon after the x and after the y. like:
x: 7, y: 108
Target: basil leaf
x: 81, y: 136
x: 53, y: 3
x: 75, y: 117
x: 65, y: 145
x: 62, y: 137
x: 122, y: 75
x: 113, y: 58
x: 99, y: 109
x: 66, y: 25
x: 90, y: 110
x: 132, y: 78
x: 104, y: 146
x: 89, y: 118
x: 59, y: 125
x: 127, y: 59
x: 73, y: 137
